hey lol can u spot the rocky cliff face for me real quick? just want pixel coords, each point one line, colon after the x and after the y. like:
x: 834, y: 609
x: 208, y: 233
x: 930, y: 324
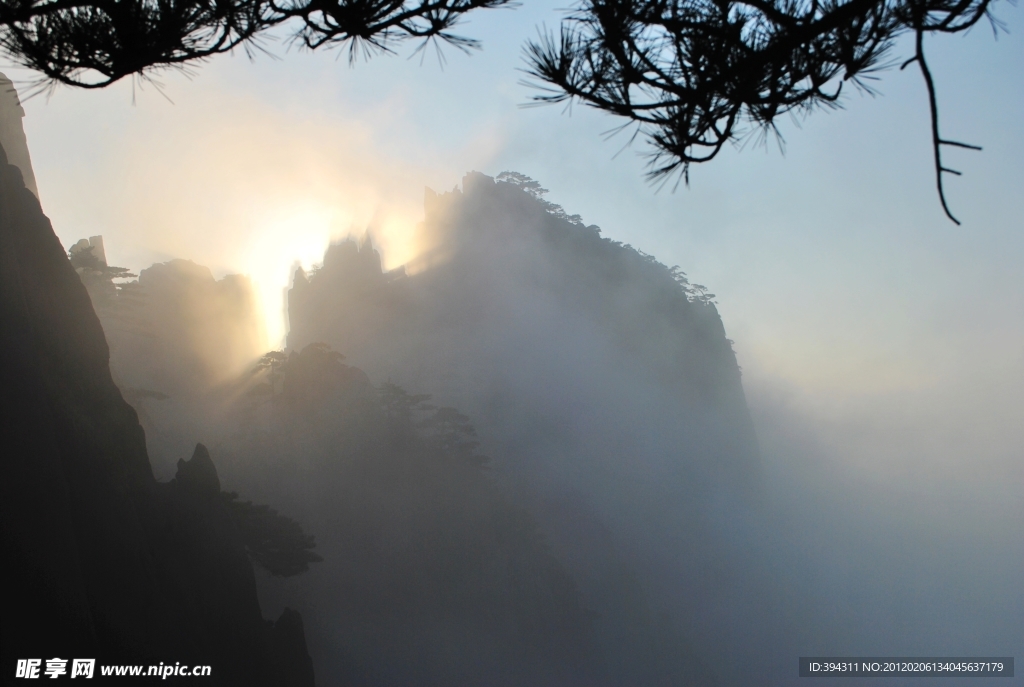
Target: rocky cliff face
x: 12, y: 134
x: 100, y: 560
x: 608, y: 396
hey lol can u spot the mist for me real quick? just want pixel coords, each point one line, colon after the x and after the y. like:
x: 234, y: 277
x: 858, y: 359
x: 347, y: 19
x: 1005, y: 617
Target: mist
x: 448, y: 432
x: 697, y: 524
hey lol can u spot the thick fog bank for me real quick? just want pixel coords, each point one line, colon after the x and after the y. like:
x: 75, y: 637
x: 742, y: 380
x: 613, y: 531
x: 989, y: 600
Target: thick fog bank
x: 893, y: 528
x: 527, y: 458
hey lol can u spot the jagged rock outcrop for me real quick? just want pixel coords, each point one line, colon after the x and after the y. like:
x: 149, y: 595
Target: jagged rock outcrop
x: 100, y: 560
x: 289, y: 642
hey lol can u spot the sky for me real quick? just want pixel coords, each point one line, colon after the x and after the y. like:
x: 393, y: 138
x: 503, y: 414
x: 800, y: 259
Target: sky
x: 876, y: 338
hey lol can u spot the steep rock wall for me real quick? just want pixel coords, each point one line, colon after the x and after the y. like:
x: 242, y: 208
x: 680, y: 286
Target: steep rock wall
x: 100, y: 560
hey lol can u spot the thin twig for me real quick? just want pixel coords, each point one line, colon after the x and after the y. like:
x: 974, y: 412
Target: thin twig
x: 937, y: 141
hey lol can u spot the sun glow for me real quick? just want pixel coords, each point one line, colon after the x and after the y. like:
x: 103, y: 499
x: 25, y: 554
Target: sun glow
x: 296, y: 235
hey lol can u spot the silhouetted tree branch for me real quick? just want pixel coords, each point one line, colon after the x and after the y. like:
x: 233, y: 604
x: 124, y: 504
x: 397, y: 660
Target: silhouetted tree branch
x: 537, y: 191
x: 937, y: 140
x: 691, y: 74
x: 273, y: 541
x: 694, y: 74
x: 93, y: 43
x: 453, y: 434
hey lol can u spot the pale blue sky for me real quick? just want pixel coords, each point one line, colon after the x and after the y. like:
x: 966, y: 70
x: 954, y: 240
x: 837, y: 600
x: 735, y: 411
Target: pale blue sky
x: 852, y: 300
